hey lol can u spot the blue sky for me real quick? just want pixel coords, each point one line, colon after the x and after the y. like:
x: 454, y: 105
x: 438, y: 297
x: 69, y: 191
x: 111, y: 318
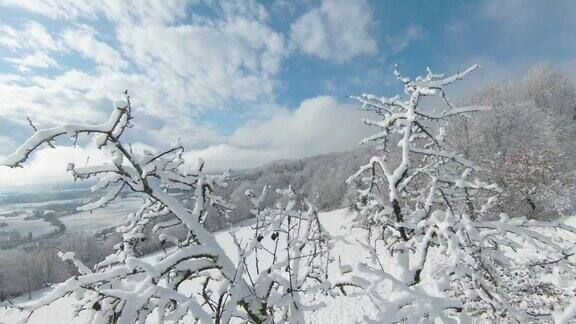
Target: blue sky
x: 246, y: 82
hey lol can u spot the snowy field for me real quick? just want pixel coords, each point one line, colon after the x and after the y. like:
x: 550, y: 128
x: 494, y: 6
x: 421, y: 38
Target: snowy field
x: 338, y: 310
x: 88, y: 222
x: 106, y: 217
x: 33, y: 205
x: 21, y: 225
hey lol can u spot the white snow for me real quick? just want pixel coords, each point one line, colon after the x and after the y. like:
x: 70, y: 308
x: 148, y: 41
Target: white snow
x: 84, y: 221
x: 106, y: 217
x: 338, y: 310
x: 21, y: 225
x: 341, y: 309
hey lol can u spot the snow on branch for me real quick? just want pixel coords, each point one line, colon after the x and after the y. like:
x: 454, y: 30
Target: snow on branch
x: 108, y: 129
x: 289, y: 258
x: 430, y: 226
x: 263, y: 286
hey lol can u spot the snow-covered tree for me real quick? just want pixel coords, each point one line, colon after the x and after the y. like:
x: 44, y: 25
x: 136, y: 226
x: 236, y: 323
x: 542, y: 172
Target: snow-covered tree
x: 438, y: 251
x: 533, y: 117
x: 124, y: 288
x: 289, y: 261
x: 531, y: 179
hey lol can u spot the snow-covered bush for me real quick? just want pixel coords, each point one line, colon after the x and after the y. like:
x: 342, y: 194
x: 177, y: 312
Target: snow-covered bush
x: 438, y: 251
x: 126, y: 289
x: 288, y: 260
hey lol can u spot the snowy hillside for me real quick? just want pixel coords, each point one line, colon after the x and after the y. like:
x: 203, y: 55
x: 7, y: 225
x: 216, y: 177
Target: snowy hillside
x: 339, y: 309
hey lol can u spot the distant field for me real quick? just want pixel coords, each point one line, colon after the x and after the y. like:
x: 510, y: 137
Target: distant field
x: 18, y: 217
x: 102, y: 218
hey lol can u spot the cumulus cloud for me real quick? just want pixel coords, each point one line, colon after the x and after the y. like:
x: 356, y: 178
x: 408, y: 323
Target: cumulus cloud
x: 80, y: 97
x: 131, y: 10
x: 48, y: 101
x: 338, y: 29
x: 209, y: 64
x: 6, y: 141
x: 225, y: 156
x: 319, y: 125
x: 56, y: 9
x: 523, y: 18
x: 174, y: 71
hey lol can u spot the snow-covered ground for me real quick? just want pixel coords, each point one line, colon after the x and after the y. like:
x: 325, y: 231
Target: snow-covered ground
x: 108, y: 216
x: 338, y: 310
x: 33, y: 205
x: 89, y: 222
x: 22, y: 225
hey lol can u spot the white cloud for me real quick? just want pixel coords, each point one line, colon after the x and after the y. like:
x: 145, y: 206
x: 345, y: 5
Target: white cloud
x: 56, y: 8
x: 132, y: 10
x: 319, y: 125
x: 78, y: 96
x: 513, y: 13
x: 399, y: 42
x: 244, y: 8
x: 522, y: 18
x: 225, y: 156
x: 338, y: 29
x: 192, y: 133
x: 30, y: 35
x: 48, y: 166
x: 162, y: 112
x: 146, y: 12
x: 49, y: 101
x: 83, y: 40
x: 172, y: 70
x: 207, y: 65
x: 6, y: 141
x: 34, y: 60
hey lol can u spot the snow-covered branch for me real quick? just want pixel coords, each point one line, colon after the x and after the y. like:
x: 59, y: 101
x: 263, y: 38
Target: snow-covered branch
x: 429, y: 220
x: 112, y: 127
x: 263, y: 286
